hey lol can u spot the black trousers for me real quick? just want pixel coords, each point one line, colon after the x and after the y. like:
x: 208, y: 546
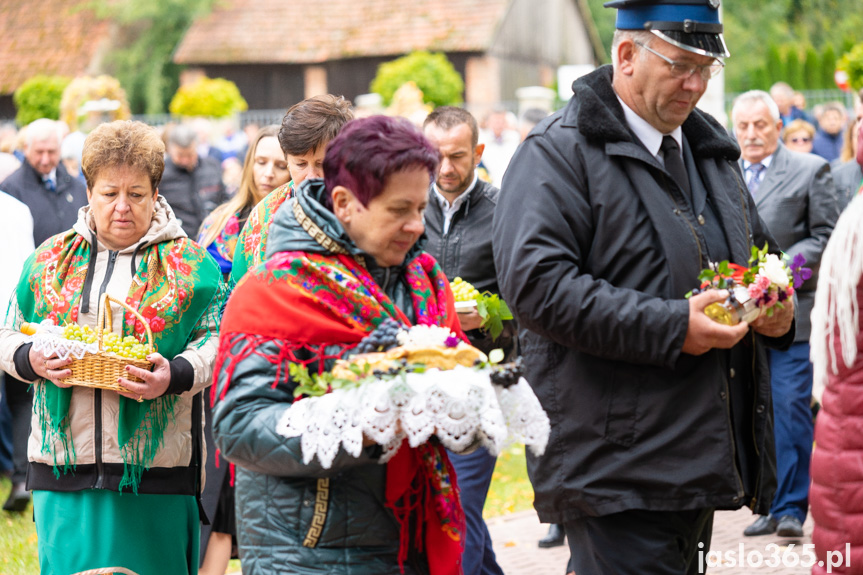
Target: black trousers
x: 640, y: 542
x: 19, y: 398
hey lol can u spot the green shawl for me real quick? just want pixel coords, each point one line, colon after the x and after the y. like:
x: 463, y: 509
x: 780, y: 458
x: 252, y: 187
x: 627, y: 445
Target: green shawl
x: 174, y: 285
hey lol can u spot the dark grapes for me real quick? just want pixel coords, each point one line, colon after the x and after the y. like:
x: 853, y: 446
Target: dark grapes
x: 383, y: 338
x: 507, y: 374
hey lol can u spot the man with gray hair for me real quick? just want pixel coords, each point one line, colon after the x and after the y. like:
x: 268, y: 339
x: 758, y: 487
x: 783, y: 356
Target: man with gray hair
x: 795, y: 197
x: 192, y: 185
x: 53, y: 196
x: 43, y: 184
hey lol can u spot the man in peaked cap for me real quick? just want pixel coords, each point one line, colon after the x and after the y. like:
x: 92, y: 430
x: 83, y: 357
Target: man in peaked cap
x: 608, y: 212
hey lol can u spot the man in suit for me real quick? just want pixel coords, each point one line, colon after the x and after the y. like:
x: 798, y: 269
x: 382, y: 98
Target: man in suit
x: 43, y: 184
x: 796, y: 199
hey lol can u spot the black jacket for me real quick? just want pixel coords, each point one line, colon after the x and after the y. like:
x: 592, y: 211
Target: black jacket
x: 465, y: 251
x: 53, y: 212
x: 192, y: 195
x: 595, y: 248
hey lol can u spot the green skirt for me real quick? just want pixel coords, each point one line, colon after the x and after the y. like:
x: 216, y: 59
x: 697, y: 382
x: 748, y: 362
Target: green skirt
x: 104, y: 531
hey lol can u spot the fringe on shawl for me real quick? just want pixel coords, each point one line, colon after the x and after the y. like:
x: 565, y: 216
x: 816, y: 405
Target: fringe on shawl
x: 138, y: 453
x: 213, y: 315
x: 53, y: 432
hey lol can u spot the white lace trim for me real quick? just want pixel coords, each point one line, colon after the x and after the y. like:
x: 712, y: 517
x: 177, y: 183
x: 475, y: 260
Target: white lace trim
x: 459, y: 406
x: 49, y: 340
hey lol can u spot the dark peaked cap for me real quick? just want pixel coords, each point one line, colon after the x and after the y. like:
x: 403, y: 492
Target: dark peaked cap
x: 692, y: 25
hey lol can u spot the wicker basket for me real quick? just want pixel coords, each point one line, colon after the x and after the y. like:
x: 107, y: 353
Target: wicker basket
x: 101, y: 370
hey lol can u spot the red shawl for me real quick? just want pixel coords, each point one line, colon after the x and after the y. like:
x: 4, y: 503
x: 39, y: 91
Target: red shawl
x: 312, y: 301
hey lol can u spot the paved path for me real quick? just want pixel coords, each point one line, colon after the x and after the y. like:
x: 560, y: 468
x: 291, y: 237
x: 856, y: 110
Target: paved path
x: 515, y: 538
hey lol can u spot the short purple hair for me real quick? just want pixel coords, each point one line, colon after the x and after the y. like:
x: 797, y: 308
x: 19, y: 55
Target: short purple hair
x: 369, y: 150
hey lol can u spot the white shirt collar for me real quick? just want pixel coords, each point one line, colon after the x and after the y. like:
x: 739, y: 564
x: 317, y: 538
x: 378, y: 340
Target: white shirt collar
x: 449, y: 210
x: 456, y: 203
x: 649, y: 136
x: 765, y: 162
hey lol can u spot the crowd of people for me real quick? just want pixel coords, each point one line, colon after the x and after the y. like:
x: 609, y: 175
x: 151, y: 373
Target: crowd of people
x: 246, y: 256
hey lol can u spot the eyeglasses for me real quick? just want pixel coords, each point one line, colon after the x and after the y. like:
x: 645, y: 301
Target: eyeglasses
x: 681, y: 70
x: 801, y: 140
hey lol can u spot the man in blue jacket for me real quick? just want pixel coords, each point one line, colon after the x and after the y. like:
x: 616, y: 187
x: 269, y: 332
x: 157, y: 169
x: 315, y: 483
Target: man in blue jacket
x: 608, y: 212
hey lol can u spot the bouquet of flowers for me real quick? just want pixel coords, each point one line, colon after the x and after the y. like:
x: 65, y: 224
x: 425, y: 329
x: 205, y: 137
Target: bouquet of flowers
x: 755, y: 290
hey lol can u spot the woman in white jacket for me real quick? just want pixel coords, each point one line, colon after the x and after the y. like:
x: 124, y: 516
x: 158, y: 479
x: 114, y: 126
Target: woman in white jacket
x: 115, y: 475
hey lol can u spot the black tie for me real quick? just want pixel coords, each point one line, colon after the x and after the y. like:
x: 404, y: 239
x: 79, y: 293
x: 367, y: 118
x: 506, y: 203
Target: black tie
x: 674, y: 163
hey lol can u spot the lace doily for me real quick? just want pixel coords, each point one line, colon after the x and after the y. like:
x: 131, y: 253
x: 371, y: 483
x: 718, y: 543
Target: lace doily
x: 49, y: 340
x: 459, y: 406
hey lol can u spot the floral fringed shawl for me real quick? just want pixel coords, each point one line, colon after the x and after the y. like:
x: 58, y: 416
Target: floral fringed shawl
x: 173, y: 287
x: 251, y: 245
x: 318, y: 303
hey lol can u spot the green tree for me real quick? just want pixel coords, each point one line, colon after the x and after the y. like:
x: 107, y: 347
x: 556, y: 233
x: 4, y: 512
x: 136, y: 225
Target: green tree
x: 213, y: 97
x: 793, y: 69
x: 760, y: 79
x: 828, y: 68
x: 150, y: 31
x: 811, y: 73
x: 439, y: 81
x: 775, y: 64
x: 604, y: 18
x: 39, y: 97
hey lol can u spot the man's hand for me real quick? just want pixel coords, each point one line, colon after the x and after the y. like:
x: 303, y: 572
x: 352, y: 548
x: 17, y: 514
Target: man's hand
x: 469, y: 320
x: 777, y: 324
x: 704, y: 334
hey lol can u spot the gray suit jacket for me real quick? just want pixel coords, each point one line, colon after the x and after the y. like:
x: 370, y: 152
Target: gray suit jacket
x: 797, y: 201
x: 847, y: 177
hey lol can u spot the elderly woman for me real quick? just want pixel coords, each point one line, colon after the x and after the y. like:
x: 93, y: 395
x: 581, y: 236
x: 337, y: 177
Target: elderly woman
x: 115, y: 475
x: 798, y: 136
x: 344, y: 255
x: 307, y: 128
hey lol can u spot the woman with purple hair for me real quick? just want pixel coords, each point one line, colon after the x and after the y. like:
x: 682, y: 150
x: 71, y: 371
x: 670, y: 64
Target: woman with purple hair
x: 344, y: 255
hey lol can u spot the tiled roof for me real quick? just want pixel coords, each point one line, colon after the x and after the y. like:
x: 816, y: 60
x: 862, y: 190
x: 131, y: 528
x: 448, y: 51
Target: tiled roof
x: 46, y: 37
x: 309, y: 31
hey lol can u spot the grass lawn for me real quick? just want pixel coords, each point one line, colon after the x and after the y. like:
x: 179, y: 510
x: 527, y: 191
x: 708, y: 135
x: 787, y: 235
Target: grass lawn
x: 510, y: 492
x: 17, y: 539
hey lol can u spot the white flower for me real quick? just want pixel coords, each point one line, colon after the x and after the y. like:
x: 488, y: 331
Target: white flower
x: 425, y: 336
x: 774, y: 269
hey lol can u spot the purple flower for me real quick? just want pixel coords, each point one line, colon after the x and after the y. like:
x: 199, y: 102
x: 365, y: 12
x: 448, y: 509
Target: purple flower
x: 451, y: 341
x: 799, y: 274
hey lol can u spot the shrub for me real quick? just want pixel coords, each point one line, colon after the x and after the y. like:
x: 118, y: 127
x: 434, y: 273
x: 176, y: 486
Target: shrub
x: 439, y: 81
x: 852, y: 63
x: 39, y: 97
x: 213, y: 97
